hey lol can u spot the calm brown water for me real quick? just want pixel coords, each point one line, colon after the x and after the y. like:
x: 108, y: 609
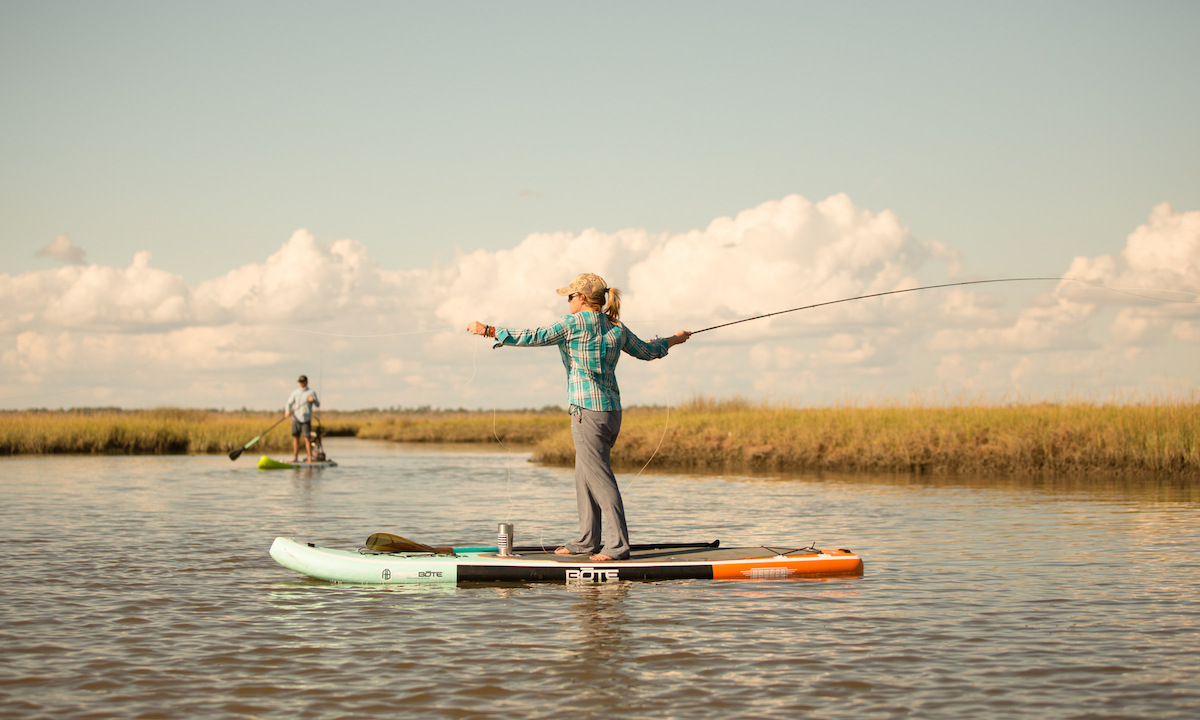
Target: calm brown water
x: 141, y: 587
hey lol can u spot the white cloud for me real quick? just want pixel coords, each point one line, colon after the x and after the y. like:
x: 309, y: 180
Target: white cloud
x: 784, y: 253
x: 1161, y: 257
x: 303, y: 282
x: 235, y: 340
x: 1151, y: 286
x: 1046, y: 325
x: 961, y: 308
x: 61, y: 249
x: 1122, y: 336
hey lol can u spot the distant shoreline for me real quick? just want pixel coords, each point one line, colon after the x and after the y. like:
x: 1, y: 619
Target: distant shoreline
x: 702, y: 435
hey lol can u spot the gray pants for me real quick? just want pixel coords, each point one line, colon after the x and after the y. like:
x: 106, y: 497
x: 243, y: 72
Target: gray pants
x: 594, y: 433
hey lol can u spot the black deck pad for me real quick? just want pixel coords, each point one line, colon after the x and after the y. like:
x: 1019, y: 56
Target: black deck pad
x: 680, y: 555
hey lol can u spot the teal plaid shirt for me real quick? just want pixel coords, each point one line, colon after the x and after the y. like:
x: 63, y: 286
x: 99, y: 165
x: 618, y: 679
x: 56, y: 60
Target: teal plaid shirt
x: 590, y: 345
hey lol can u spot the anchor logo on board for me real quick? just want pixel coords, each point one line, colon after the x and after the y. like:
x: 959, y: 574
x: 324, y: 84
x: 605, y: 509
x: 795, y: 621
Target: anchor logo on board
x: 593, y: 575
x: 387, y: 574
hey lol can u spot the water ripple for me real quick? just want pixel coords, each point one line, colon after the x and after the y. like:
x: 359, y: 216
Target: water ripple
x: 141, y: 587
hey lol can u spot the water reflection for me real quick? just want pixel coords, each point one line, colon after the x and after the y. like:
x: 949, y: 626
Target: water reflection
x: 1151, y: 487
x: 988, y: 598
x: 601, y: 659
x: 602, y: 620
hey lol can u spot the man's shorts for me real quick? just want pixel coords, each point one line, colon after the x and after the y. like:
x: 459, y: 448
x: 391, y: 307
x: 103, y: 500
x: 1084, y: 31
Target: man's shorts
x: 301, y: 429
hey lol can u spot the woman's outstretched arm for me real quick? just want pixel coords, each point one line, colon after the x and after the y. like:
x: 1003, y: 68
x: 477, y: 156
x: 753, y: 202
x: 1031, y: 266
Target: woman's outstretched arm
x: 538, y: 337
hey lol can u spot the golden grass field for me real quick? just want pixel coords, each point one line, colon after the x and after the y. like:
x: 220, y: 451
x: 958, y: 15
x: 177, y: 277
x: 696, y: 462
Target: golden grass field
x: 179, y: 431
x: 137, y: 432
x: 1073, y: 437
x: 1161, y: 437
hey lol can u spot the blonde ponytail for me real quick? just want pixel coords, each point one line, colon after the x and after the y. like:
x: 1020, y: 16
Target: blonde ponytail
x: 613, y: 311
x: 614, y: 305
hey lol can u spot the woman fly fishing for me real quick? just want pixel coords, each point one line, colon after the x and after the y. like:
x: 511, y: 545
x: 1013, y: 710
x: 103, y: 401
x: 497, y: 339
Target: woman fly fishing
x: 591, y: 339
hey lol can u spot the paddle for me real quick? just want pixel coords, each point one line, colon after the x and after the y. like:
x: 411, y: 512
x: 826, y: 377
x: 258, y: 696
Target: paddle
x: 387, y: 542
x: 238, y: 453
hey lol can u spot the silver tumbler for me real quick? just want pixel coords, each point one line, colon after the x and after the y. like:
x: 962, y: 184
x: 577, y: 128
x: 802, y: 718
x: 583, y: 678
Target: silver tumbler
x: 504, y: 539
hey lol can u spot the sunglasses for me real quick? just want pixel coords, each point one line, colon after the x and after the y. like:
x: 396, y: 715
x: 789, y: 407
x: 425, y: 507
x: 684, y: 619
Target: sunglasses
x: 572, y: 296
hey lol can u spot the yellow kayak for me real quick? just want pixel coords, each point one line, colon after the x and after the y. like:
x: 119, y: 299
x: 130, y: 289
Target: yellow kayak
x: 266, y: 463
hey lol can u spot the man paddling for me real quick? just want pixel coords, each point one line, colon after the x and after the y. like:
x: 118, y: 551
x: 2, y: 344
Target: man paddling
x: 300, y: 406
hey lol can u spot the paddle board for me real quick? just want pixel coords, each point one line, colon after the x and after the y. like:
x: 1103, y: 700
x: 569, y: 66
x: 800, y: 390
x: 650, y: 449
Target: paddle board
x: 484, y: 564
x: 266, y: 463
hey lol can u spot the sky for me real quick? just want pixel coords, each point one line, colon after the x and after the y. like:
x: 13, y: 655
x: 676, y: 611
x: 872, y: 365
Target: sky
x: 190, y: 193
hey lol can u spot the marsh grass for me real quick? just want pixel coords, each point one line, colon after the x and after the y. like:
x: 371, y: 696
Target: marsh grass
x: 1159, y: 436
x: 969, y: 438
x: 161, y: 431
x: 510, y: 428
x: 166, y: 431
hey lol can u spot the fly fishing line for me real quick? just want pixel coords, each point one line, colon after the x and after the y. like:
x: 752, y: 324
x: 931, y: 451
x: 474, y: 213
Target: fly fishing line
x: 341, y: 335
x: 1125, y: 291
x: 508, y: 457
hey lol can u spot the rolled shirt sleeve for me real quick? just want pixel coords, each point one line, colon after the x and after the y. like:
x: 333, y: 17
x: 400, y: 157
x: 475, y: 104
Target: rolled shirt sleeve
x: 538, y: 337
x: 643, y: 350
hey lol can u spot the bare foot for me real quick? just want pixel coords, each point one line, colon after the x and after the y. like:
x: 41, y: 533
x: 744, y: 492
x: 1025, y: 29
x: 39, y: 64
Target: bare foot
x: 295, y: 459
x: 563, y: 551
x: 600, y: 557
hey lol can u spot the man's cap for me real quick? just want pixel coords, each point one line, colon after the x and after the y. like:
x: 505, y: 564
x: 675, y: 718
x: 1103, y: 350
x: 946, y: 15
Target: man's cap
x: 302, y: 378
x: 585, y: 283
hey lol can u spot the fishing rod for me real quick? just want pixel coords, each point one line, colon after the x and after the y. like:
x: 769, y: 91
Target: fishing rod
x: 934, y: 287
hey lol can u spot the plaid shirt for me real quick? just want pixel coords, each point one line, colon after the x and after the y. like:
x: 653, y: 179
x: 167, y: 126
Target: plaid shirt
x: 590, y: 345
